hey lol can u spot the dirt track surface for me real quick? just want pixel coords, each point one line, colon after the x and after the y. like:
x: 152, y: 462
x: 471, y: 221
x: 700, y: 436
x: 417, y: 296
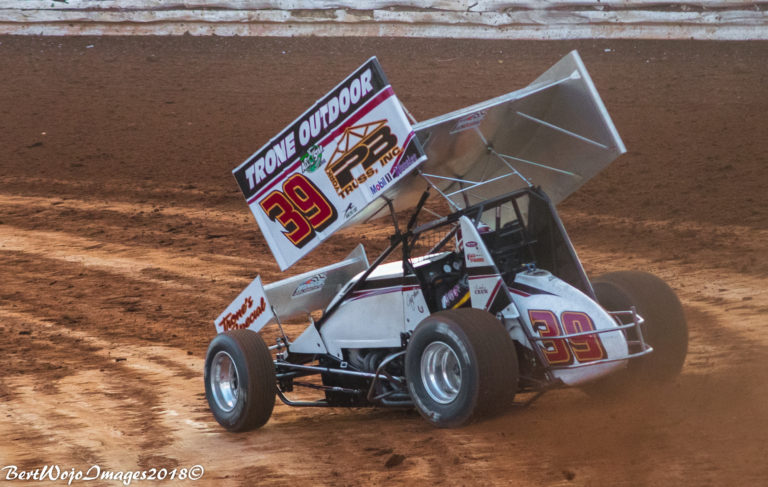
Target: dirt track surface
x: 123, y: 235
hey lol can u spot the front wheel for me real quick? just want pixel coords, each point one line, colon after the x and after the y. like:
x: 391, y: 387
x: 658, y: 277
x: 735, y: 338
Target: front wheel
x: 240, y: 380
x: 461, y: 365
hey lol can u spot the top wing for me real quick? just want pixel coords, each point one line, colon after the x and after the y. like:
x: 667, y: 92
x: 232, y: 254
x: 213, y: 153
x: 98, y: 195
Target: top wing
x: 329, y: 164
x: 354, y: 150
x: 554, y: 133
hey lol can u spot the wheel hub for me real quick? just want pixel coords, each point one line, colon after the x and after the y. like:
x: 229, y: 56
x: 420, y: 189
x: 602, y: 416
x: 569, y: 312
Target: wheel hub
x: 441, y: 372
x: 224, y: 381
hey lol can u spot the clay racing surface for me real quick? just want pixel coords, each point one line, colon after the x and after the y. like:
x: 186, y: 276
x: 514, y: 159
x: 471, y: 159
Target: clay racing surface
x: 123, y: 235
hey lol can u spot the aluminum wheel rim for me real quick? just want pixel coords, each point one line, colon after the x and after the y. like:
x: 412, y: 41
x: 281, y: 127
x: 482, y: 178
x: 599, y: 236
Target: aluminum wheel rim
x: 441, y: 372
x: 224, y: 381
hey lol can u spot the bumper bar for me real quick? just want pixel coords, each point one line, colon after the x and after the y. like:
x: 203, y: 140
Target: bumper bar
x: 637, y: 320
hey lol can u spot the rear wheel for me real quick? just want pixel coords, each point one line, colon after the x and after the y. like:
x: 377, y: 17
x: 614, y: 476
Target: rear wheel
x: 664, y: 328
x: 240, y: 380
x: 461, y: 365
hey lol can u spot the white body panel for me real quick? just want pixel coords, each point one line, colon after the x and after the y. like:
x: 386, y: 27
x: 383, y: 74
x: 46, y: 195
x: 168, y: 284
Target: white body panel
x: 374, y: 320
x: 415, y: 308
x: 483, y: 288
x: 548, y: 294
x: 308, y: 342
x: 376, y: 317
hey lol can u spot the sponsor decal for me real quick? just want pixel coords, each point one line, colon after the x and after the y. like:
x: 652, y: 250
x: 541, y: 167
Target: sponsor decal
x: 404, y: 164
x: 250, y: 310
x: 301, y: 208
x: 350, y: 211
x: 475, y: 258
x: 412, y: 304
x: 481, y: 290
x: 471, y: 244
x: 309, y: 128
x: 356, y: 156
x: 380, y: 184
x: 232, y: 320
x: 457, y: 296
x: 469, y: 122
x: 311, y: 285
x: 312, y: 159
x: 562, y: 351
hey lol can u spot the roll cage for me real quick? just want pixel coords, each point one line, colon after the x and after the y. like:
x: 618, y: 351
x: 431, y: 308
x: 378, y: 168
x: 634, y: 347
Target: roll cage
x: 537, y: 239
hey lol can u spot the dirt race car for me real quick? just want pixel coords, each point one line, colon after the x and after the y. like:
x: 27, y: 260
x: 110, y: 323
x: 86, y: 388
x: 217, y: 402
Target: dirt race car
x: 484, y: 301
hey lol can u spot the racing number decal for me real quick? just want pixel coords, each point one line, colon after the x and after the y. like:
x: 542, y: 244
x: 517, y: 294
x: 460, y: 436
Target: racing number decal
x: 587, y: 348
x: 556, y: 351
x: 310, y: 201
x: 300, y: 208
x: 298, y: 230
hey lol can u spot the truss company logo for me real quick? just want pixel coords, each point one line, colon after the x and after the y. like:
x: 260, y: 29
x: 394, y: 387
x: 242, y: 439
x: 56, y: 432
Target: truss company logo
x: 359, y: 149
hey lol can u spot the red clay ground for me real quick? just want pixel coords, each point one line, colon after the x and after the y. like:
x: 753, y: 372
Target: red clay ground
x: 123, y: 234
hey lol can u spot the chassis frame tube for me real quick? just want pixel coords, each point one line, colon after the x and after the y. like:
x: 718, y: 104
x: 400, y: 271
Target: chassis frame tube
x: 330, y: 370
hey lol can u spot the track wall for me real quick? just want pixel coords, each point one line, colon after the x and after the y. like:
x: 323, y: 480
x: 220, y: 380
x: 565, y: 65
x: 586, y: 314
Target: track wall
x: 493, y: 19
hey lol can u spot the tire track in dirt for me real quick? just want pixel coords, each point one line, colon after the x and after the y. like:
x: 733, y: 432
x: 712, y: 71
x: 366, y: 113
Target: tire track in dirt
x: 113, y: 305
x: 137, y: 409
x: 117, y: 190
x: 125, y: 207
x: 91, y: 413
x: 177, y: 230
x: 155, y: 226
x: 135, y: 262
x: 726, y: 247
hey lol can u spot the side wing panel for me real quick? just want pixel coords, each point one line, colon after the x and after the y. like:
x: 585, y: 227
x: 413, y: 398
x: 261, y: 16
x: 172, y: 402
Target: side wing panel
x: 251, y: 310
x: 298, y: 296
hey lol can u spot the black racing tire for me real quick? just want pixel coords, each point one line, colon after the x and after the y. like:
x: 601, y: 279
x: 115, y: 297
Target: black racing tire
x: 240, y: 380
x: 479, y: 364
x: 665, y: 328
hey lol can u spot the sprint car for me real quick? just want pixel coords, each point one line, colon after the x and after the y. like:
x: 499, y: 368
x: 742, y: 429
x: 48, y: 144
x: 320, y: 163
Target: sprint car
x: 479, y: 298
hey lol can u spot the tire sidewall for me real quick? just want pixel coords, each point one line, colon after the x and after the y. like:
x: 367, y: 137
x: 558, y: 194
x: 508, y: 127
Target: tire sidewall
x: 664, y: 329
x: 441, y: 329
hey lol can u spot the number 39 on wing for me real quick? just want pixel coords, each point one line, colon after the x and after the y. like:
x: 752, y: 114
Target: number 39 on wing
x: 301, y: 208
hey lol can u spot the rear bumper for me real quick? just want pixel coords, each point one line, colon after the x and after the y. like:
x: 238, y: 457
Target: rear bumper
x: 627, y: 321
